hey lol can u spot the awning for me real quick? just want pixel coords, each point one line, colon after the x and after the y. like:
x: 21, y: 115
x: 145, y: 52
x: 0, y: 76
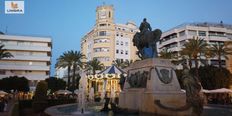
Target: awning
x: 112, y: 70
x: 222, y: 90
x: 63, y: 92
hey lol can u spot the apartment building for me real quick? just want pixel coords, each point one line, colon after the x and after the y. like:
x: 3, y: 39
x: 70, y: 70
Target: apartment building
x: 32, y: 57
x: 212, y: 33
x: 108, y: 41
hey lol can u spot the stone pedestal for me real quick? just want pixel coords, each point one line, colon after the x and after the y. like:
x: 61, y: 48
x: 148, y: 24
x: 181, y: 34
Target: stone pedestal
x: 152, y: 87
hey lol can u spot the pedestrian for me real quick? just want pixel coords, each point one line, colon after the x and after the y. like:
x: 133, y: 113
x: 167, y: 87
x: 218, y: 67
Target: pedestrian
x: 5, y: 104
x: 1, y: 105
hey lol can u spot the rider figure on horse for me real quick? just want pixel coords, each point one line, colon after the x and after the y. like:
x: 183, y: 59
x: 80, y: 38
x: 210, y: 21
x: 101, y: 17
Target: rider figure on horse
x: 146, y: 39
x: 144, y: 27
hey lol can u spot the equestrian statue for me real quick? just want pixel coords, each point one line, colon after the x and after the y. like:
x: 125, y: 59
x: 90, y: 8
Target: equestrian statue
x: 146, y: 40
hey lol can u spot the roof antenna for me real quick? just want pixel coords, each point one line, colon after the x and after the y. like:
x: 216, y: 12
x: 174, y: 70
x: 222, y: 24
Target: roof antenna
x: 221, y: 23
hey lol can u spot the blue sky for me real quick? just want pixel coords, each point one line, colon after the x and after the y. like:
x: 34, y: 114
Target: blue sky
x: 67, y: 21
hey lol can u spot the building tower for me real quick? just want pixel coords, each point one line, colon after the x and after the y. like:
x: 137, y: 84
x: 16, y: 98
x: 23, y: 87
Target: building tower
x: 108, y: 41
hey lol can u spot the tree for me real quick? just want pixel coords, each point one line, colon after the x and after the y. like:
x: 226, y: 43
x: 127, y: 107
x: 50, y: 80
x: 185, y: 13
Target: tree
x: 193, y: 49
x: 4, y: 53
x: 220, y: 50
x: 127, y: 63
x: 64, y: 61
x: 55, y: 84
x: 118, y: 63
x: 77, y: 57
x: 71, y: 59
x: 166, y: 54
x: 40, y: 97
x: 94, y: 65
x: 20, y: 84
x: 122, y: 64
x: 214, y: 77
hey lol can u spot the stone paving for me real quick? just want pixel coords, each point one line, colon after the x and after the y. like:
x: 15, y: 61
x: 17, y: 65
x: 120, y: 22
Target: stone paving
x: 8, y: 109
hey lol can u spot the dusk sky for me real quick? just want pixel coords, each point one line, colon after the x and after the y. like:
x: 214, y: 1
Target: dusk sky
x: 67, y: 21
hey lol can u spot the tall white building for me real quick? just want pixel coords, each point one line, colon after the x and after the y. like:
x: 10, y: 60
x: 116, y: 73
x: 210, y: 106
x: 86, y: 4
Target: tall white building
x: 32, y: 57
x: 212, y: 33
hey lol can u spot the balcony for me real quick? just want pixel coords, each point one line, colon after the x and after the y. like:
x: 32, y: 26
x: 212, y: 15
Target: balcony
x: 24, y: 67
x: 101, y: 54
x: 173, y: 40
x: 218, y: 38
x: 28, y: 48
x: 174, y: 49
x: 30, y: 58
x: 96, y: 45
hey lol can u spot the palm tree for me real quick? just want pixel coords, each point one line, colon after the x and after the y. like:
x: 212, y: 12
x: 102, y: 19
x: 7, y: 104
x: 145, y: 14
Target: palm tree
x: 94, y: 65
x: 194, y: 48
x: 119, y: 63
x: 220, y: 50
x: 127, y: 63
x: 166, y: 54
x: 77, y: 57
x: 71, y: 59
x: 4, y: 53
x: 64, y: 61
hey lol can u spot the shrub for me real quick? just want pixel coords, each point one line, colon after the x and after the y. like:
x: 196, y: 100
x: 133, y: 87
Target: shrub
x: 40, y: 98
x: 213, y: 77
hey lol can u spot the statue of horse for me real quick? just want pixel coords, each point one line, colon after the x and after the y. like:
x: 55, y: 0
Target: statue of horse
x: 147, y: 40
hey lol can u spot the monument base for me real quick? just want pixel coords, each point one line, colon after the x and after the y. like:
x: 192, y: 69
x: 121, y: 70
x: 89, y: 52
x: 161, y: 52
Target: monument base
x: 159, y: 94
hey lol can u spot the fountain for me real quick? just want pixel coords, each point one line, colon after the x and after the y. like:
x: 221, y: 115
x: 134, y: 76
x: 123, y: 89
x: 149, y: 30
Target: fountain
x: 81, y: 107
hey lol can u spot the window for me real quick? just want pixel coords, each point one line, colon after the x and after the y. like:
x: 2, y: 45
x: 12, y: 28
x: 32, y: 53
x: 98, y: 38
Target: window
x: 182, y: 42
x: 101, y: 25
x: 121, y: 35
x: 109, y: 14
x: 117, y: 51
x: 101, y: 40
x: 192, y: 32
x: 229, y: 35
x: 201, y: 33
x: 121, y: 51
x: 182, y: 33
x: 2, y: 72
x: 31, y: 53
x: 4, y: 41
x: 126, y: 52
x: 101, y: 49
x: 20, y: 43
x: 117, y: 34
x: 102, y: 59
x: 126, y: 43
x: 102, y: 33
x: 122, y: 43
x: 132, y: 31
x: 117, y: 42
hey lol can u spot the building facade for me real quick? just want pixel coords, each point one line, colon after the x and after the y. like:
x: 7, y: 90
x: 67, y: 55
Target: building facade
x: 108, y: 41
x: 32, y: 57
x: 212, y: 33
x: 229, y: 60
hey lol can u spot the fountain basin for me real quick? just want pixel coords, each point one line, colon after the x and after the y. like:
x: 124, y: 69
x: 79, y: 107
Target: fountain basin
x: 93, y: 109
